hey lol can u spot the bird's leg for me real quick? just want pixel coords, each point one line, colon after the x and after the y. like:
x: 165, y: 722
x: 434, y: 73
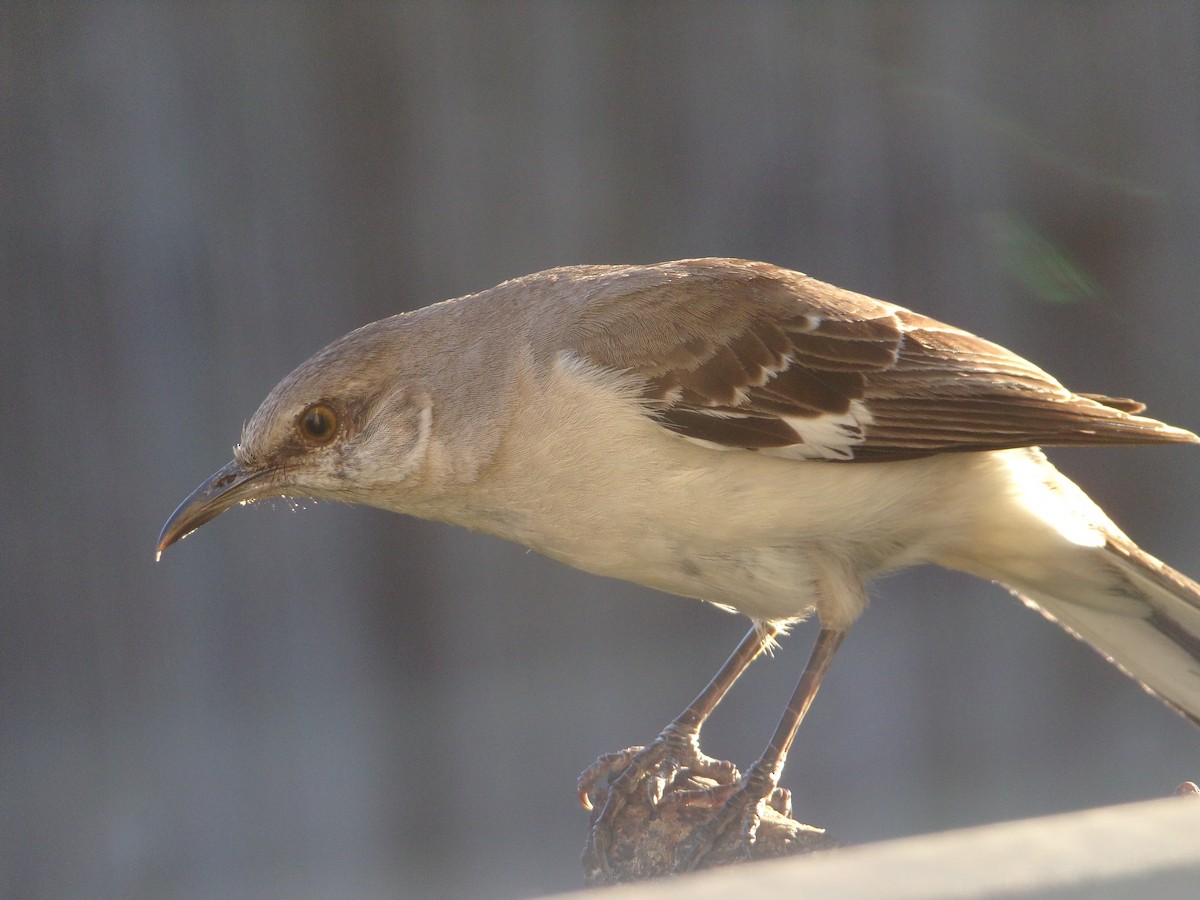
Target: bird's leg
x: 675, y: 750
x: 761, y: 781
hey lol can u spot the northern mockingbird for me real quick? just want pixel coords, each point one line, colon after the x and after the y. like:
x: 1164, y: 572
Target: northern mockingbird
x: 734, y: 432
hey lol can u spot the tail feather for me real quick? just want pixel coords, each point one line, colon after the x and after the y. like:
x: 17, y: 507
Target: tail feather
x: 1149, y: 627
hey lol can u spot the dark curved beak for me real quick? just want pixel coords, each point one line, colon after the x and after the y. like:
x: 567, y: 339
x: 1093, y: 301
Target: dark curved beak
x: 228, y: 486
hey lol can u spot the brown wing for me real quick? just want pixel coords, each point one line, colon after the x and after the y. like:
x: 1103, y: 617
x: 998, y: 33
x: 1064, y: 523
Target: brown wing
x: 748, y: 355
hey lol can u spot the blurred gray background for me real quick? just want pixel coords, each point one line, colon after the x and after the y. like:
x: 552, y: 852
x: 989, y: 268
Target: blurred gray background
x: 342, y: 702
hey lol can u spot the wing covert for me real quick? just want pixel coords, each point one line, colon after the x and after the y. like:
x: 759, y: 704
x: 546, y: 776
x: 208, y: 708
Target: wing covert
x: 747, y: 355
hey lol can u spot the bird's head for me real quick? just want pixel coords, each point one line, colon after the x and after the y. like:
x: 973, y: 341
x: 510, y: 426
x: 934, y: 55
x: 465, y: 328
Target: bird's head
x: 348, y: 424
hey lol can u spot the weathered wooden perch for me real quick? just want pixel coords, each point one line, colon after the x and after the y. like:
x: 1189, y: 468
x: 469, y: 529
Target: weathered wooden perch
x: 646, y: 835
x: 1147, y: 849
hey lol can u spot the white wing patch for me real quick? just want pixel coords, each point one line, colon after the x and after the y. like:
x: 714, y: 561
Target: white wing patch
x: 830, y: 436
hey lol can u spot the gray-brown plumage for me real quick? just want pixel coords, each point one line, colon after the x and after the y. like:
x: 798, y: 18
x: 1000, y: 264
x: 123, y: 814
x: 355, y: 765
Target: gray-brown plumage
x: 698, y: 427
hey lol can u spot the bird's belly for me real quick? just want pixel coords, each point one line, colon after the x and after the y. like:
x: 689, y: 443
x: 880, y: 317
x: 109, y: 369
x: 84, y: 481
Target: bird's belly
x: 766, y: 581
x: 773, y: 538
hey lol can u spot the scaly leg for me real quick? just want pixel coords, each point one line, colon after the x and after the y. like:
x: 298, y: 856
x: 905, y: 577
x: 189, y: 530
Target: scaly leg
x: 763, y: 778
x: 675, y: 749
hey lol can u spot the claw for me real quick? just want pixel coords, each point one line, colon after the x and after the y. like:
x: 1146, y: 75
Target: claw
x: 781, y: 801
x: 604, y: 767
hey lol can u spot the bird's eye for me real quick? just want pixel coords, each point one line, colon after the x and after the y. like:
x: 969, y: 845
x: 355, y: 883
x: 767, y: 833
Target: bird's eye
x: 318, y: 424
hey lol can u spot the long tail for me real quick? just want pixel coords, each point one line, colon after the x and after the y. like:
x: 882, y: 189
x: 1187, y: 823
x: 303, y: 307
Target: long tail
x: 1036, y: 533
x: 1141, y: 614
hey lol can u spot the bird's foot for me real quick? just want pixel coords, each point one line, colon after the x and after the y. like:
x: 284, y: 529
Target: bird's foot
x: 744, y: 805
x: 670, y: 770
x: 677, y: 831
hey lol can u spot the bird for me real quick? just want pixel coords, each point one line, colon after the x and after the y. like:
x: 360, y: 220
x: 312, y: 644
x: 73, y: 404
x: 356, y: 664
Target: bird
x: 734, y: 432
